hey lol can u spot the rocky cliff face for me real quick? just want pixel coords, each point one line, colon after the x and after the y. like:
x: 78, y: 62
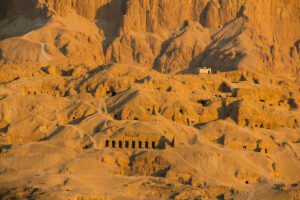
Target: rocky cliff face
x: 161, y: 34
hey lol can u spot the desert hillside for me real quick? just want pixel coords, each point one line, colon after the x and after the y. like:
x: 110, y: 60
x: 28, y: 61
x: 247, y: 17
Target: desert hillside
x: 103, y: 99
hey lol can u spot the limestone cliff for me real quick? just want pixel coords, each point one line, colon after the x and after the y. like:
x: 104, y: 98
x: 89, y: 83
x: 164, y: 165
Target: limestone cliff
x: 243, y: 34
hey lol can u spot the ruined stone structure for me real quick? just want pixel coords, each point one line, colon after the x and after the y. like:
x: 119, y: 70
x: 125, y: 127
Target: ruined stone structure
x: 138, y: 143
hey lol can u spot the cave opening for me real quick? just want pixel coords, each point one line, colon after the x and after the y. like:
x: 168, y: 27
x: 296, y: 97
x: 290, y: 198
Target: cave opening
x: 153, y: 145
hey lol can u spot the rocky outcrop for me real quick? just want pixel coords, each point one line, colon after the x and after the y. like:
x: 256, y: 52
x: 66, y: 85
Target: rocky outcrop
x: 236, y: 128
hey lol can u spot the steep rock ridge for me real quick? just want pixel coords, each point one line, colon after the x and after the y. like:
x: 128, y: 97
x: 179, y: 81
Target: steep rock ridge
x: 272, y: 32
x: 30, y: 9
x: 230, y: 49
x: 134, y: 48
x: 184, y: 45
x: 158, y: 15
x: 268, y: 39
x: 168, y: 19
x: 87, y: 9
x: 91, y: 9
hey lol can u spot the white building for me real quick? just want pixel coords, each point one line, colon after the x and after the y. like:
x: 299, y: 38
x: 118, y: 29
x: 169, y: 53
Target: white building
x: 204, y: 70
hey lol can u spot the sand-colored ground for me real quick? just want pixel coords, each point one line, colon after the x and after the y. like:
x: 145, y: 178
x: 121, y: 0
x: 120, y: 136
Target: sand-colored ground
x: 228, y: 142
x: 77, y: 76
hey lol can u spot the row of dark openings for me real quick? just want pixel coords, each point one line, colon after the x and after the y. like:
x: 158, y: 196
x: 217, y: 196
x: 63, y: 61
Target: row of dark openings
x: 132, y: 144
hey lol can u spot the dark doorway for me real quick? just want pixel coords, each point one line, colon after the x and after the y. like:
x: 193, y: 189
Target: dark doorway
x: 146, y: 145
x: 113, y: 144
x: 120, y: 144
x: 126, y: 144
x: 140, y: 144
x: 107, y: 143
x: 153, y: 145
x: 133, y: 144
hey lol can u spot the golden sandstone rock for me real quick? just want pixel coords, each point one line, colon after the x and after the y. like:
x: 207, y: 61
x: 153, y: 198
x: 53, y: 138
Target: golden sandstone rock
x: 103, y: 99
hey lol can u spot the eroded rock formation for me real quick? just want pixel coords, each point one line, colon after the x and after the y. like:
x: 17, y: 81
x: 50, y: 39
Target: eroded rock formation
x: 165, y: 35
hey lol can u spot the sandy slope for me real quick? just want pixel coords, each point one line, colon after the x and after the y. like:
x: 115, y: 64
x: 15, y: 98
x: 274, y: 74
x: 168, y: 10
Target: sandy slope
x: 54, y: 124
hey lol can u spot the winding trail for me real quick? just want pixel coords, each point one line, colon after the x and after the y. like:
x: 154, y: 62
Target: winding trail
x: 43, y: 56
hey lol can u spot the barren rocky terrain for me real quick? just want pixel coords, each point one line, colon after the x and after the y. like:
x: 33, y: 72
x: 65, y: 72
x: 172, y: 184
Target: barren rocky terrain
x: 77, y: 76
